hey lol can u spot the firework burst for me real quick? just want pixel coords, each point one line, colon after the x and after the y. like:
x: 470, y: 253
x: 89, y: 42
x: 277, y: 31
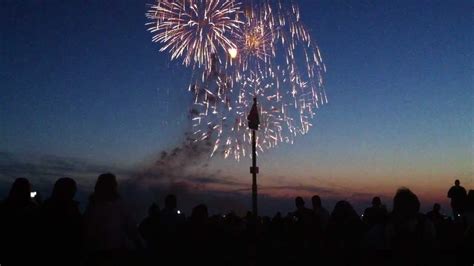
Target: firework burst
x: 243, y: 51
x: 194, y: 29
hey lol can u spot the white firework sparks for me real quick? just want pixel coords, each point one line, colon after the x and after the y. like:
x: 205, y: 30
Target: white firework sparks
x: 194, y: 29
x: 266, y: 53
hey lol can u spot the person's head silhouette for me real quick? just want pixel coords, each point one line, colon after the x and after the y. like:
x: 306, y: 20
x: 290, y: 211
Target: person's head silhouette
x: 343, y: 210
x: 299, y: 202
x: 316, y: 201
x: 405, y: 204
x: 106, y: 188
x: 64, y: 189
x: 171, y: 202
x: 199, y: 213
x: 20, y: 190
x: 470, y: 201
x: 436, y: 207
x: 376, y: 202
x: 154, y: 209
x: 457, y: 183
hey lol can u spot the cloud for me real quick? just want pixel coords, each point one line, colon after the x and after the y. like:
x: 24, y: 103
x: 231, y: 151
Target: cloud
x: 48, y: 166
x: 303, y: 189
x: 219, y: 180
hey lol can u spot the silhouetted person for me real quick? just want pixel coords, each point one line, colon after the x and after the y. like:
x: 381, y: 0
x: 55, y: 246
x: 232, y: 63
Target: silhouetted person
x: 435, y: 214
x: 344, y: 233
x: 321, y: 213
x: 171, y: 217
x: 469, y: 221
x: 377, y: 214
x: 61, y: 225
x: 198, y: 233
x: 375, y: 218
x: 150, y: 230
x: 110, y: 231
x: 457, y: 194
x: 345, y: 226
x: 301, y: 212
x: 303, y: 216
x: 301, y: 230
x: 172, y: 222
x: 19, y: 225
x: 469, y: 211
x: 199, y: 215
x: 409, y: 233
x: 150, y: 227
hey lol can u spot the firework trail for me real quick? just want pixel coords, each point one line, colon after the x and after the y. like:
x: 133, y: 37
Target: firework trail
x: 268, y: 54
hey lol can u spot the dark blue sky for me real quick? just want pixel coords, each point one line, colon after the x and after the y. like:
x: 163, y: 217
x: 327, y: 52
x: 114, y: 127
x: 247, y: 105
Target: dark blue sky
x: 82, y: 79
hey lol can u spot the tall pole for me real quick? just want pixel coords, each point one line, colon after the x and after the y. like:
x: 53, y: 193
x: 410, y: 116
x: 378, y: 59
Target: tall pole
x: 254, y: 121
x: 254, y: 171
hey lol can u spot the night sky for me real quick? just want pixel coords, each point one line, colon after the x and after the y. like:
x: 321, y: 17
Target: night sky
x: 84, y: 90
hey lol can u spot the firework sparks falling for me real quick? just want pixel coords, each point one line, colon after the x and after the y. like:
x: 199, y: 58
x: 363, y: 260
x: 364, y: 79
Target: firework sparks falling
x: 223, y: 112
x: 194, y: 29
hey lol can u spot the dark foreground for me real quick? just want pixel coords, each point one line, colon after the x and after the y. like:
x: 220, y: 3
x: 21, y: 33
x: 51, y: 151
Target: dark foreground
x: 54, y: 232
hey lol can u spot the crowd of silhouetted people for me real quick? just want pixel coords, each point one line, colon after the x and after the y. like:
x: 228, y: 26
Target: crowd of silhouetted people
x: 55, y: 232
